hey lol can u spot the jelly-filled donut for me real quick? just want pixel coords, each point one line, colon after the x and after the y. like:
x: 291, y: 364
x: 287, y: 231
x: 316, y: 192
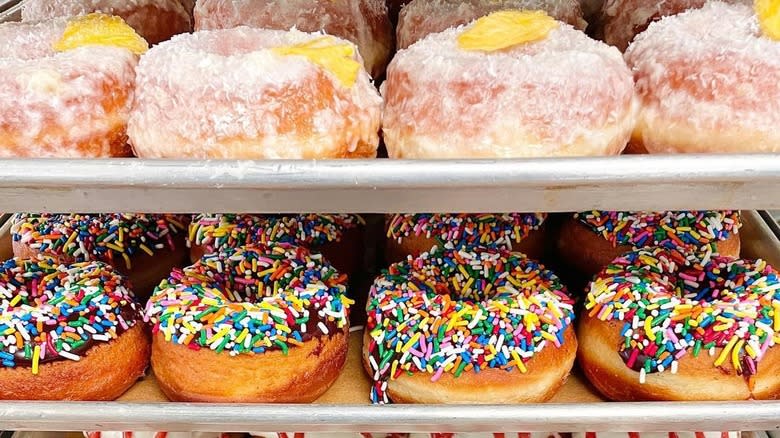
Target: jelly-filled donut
x: 67, y: 332
x: 706, y: 82
x: 622, y: 20
x: 154, y: 20
x: 338, y: 237
x: 144, y: 247
x: 247, y: 93
x: 67, y: 87
x: 511, y: 84
x: 364, y: 22
x: 468, y: 326
x: 262, y: 323
x: 590, y: 240
x: 413, y: 234
x: 665, y: 325
x: 421, y: 18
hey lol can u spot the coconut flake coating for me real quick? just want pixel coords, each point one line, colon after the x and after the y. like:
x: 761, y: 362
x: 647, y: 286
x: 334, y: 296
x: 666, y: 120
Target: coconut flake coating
x: 565, y: 95
x: 707, y: 82
x: 420, y: 18
x: 622, y: 20
x: 71, y: 104
x: 155, y: 20
x: 364, y: 22
x: 226, y: 94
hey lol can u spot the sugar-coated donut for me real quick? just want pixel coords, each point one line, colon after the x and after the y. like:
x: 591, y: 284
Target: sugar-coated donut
x: 562, y: 94
x: 479, y: 325
x: 247, y: 93
x: 364, y: 22
x: 413, y: 234
x: 590, y: 240
x: 67, y: 332
x: 338, y: 237
x: 68, y: 104
x: 155, y: 20
x: 420, y: 18
x: 706, y: 81
x: 144, y: 247
x: 664, y: 325
x: 264, y: 323
x: 622, y: 20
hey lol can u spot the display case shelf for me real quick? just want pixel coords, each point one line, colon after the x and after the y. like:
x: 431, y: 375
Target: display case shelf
x: 383, y: 185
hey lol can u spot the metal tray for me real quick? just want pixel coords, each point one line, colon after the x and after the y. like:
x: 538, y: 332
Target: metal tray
x: 383, y: 185
x: 574, y: 410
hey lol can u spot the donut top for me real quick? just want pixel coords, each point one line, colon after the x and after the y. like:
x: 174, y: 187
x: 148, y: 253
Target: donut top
x: 219, y: 231
x: 454, y: 311
x: 671, y: 305
x: 51, y: 312
x: 251, y: 300
x: 703, y: 67
x: 111, y: 238
x: 699, y: 230
x: 420, y: 18
x: 472, y: 229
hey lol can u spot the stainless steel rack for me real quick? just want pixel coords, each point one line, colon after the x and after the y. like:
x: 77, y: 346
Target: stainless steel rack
x: 381, y: 186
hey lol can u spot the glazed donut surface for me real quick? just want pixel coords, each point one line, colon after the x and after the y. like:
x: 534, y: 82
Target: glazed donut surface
x: 562, y: 95
x: 154, y: 20
x: 233, y: 94
x: 363, y: 22
x: 420, y: 18
x: 436, y: 320
x: 69, y: 332
x: 706, y: 80
x: 664, y: 325
x: 254, y: 324
x: 71, y: 104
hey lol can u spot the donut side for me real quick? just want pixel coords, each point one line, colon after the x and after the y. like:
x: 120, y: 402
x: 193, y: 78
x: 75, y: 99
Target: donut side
x: 696, y: 377
x: 301, y: 375
x: 547, y: 372
x: 105, y: 372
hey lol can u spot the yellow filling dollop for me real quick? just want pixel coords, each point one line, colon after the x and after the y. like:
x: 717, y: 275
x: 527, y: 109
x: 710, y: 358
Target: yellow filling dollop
x: 505, y: 29
x: 100, y: 30
x: 768, y: 12
x: 335, y: 57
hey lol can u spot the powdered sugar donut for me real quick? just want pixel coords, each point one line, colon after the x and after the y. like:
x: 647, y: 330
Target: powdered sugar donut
x: 622, y: 20
x: 68, y: 104
x: 560, y: 95
x: 155, y: 20
x: 707, y: 82
x: 420, y: 18
x: 364, y: 22
x: 249, y: 93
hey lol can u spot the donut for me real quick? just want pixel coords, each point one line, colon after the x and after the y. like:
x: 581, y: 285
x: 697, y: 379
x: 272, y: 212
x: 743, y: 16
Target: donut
x: 67, y: 332
x: 622, y: 20
x: 589, y: 241
x: 420, y: 18
x: 413, y: 234
x: 661, y: 324
x: 261, y: 323
x: 364, y: 22
x: 716, y: 93
x: 154, y: 20
x: 468, y: 92
x: 72, y: 101
x: 144, y: 247
x: 478, y: 325
x: 338, y: 237
x: 247, y: 93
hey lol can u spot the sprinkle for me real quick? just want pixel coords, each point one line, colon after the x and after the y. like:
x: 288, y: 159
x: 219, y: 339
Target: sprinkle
x: 491, y: 309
